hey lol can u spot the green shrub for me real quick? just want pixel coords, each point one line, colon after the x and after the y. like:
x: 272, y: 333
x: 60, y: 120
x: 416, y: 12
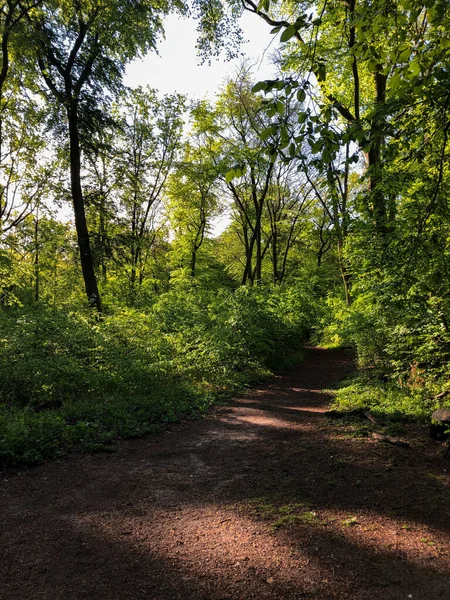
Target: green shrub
x: 71, y: 382
x: 383, y: 399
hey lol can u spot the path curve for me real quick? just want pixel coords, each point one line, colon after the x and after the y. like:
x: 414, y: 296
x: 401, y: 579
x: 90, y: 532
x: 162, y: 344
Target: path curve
x: 264, y: 498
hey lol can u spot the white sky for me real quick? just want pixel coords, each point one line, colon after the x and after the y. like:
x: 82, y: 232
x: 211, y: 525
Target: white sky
x: 177, y: 67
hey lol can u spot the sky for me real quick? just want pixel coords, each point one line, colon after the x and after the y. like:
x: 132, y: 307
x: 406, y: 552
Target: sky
x: 177, y: 67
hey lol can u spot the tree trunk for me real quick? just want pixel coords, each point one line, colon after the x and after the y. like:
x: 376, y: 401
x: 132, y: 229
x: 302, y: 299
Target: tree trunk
x: 258, y: 252
x: 275, y: 252
x: 375, y: 166
x: 36, y: 257
x: 247, y: 275
x: 87, y: 266
x: 133, y: 278
x: 193, y: 261
x: 344, y: 273
x: 248, y: 271
x: 103, y: 235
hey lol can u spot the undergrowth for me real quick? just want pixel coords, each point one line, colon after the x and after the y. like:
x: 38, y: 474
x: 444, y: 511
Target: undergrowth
x: 385, y: 400
x: 402, y: 354
x: 69, y: 382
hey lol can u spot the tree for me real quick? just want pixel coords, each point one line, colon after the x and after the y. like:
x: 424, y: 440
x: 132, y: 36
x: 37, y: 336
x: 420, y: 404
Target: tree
x: 103, y: 174
x: 373, y: 61
x: 149, y: 147
x: 27, y: 165
x: 376, y: 74
x: 82, y: 48
x: 288, y: 205
x: 41, y: 252
x: 233, y: 128
x: 192, y: 202
x: 13, y: 15
x: 21, y: 120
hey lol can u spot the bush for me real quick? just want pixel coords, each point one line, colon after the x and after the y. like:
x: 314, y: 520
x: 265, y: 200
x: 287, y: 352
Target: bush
x: 383, y: 399
x: 361, y: 326
x: 70, y: 382
x: 403, y: 339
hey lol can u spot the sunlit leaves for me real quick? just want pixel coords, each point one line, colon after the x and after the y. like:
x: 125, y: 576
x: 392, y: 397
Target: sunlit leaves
x: 264, y: 5
x: 404, y: 54
x: 414, y: 68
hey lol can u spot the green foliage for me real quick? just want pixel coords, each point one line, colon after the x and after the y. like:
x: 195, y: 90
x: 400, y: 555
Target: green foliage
x: 281, y: 515
x: 362, y: 326
x: 335, y: 181
x: 383, y: 399
x: 70, y: 382
x: 402, y: 337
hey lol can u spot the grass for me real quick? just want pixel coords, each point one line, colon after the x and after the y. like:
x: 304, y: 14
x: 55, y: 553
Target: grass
x: 391, y: 405
x: 281, y: 515
x: 350, y: 522
x: 27, y: 438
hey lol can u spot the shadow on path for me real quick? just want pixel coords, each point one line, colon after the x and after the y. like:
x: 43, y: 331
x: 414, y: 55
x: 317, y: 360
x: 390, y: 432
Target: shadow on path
x: 264, y: 498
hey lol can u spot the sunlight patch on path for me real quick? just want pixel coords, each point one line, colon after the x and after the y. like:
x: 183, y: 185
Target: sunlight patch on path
x: 199, y: 541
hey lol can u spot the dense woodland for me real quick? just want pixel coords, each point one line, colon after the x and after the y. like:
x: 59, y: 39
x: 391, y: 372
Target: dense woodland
x: 330, y: 184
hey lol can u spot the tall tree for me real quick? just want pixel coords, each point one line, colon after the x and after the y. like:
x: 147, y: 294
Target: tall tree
x: 372, y: 62
x: 376, y: 74
x: 288, y: 206
x: 21, y: 134
x: 103, y: 173
x: 192, y: 203
x: 28, y: 165
x: 262, y: 183
x: 148, y: 150
x: 236, y: 123
x: 82, y: 48
x: 13, y: 15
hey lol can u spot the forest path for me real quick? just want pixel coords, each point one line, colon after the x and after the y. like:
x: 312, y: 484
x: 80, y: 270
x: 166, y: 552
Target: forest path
x: 264, y: 498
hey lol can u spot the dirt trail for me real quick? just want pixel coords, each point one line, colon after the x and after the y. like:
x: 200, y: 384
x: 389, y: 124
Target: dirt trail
x: 264, y: 498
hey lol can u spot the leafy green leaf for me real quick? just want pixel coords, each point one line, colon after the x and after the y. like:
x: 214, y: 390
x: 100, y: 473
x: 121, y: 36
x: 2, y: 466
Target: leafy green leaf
x: 258, y: 87
x: 301, y: 95
x: 266, y: 133
x: 405, y: 55
x: 372, y: 65
x: 415, y: 68
x: 288, y: 33
x: 230, y: 175
x: 395, y: 81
